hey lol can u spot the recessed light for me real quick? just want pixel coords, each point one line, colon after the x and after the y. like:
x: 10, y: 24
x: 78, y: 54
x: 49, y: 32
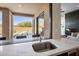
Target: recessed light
x: 19, y: 5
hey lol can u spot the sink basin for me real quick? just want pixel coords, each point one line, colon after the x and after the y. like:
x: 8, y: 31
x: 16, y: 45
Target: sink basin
x: 43, y: 46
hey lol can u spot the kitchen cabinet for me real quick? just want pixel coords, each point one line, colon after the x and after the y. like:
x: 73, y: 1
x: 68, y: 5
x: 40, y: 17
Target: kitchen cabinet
x: 64, y: 54
x: 78, y: 52
x: 74, y: 52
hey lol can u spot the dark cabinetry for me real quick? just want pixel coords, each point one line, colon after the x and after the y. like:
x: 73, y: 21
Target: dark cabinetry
x: 71, y: 53
x: 64, y: 54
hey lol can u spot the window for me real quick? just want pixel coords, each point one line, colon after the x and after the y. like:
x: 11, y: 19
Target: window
x: 40, y: 25
x: 0, y: 23
x: 62, y: 24
x: 22, y: 26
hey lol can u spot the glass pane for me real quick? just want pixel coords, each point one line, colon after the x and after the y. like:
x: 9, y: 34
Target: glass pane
x: 0, y: 23
x: 41, y: 25
x: 22, y: 26
x: 62, y: 24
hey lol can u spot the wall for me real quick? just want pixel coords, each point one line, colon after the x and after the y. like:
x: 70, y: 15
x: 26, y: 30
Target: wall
x: 10, y: 25
x: 72, y: 20
x: 56, y: 17
x: 6, y: 25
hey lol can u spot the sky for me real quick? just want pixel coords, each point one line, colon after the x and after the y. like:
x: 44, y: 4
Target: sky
x: 19, y: 19
x: 0, y: 17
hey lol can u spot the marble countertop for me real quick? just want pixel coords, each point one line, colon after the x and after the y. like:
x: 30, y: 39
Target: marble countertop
x: 25, y: 49
x: 16, y: 41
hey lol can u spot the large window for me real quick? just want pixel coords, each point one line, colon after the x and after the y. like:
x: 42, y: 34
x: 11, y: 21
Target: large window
x: 0, y: 23
x: 22, y: 25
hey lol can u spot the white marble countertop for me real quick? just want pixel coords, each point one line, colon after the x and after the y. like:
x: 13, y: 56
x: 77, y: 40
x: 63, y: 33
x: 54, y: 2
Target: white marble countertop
x: 25, y: 49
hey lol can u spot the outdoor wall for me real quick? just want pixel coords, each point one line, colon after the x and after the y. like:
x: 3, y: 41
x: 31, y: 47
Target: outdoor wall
x: 56, y: 23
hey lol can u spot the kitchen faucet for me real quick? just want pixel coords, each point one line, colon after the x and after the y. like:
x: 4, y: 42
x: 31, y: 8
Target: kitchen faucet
x: 41, y: 34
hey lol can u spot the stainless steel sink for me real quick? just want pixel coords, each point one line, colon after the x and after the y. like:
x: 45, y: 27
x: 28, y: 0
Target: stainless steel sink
x: 43, y: 46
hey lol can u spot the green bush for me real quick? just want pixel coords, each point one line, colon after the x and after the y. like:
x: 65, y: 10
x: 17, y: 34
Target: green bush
x: 25, y: 24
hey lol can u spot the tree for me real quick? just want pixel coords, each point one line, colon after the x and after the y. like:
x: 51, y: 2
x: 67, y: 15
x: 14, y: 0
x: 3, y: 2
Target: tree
x: 25, y: 24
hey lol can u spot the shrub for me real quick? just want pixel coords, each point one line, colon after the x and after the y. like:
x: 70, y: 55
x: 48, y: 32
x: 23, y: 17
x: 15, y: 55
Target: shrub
x: 25, y: 24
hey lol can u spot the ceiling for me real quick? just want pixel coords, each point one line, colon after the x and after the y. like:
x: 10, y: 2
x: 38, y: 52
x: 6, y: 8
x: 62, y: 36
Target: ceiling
x: 31, y: 8
x: 28, y: 8
x: 68, y: 7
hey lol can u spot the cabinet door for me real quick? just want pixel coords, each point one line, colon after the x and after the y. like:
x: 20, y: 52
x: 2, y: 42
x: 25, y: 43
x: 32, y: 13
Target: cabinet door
x: 72, y: 53
x: 64, y: 54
